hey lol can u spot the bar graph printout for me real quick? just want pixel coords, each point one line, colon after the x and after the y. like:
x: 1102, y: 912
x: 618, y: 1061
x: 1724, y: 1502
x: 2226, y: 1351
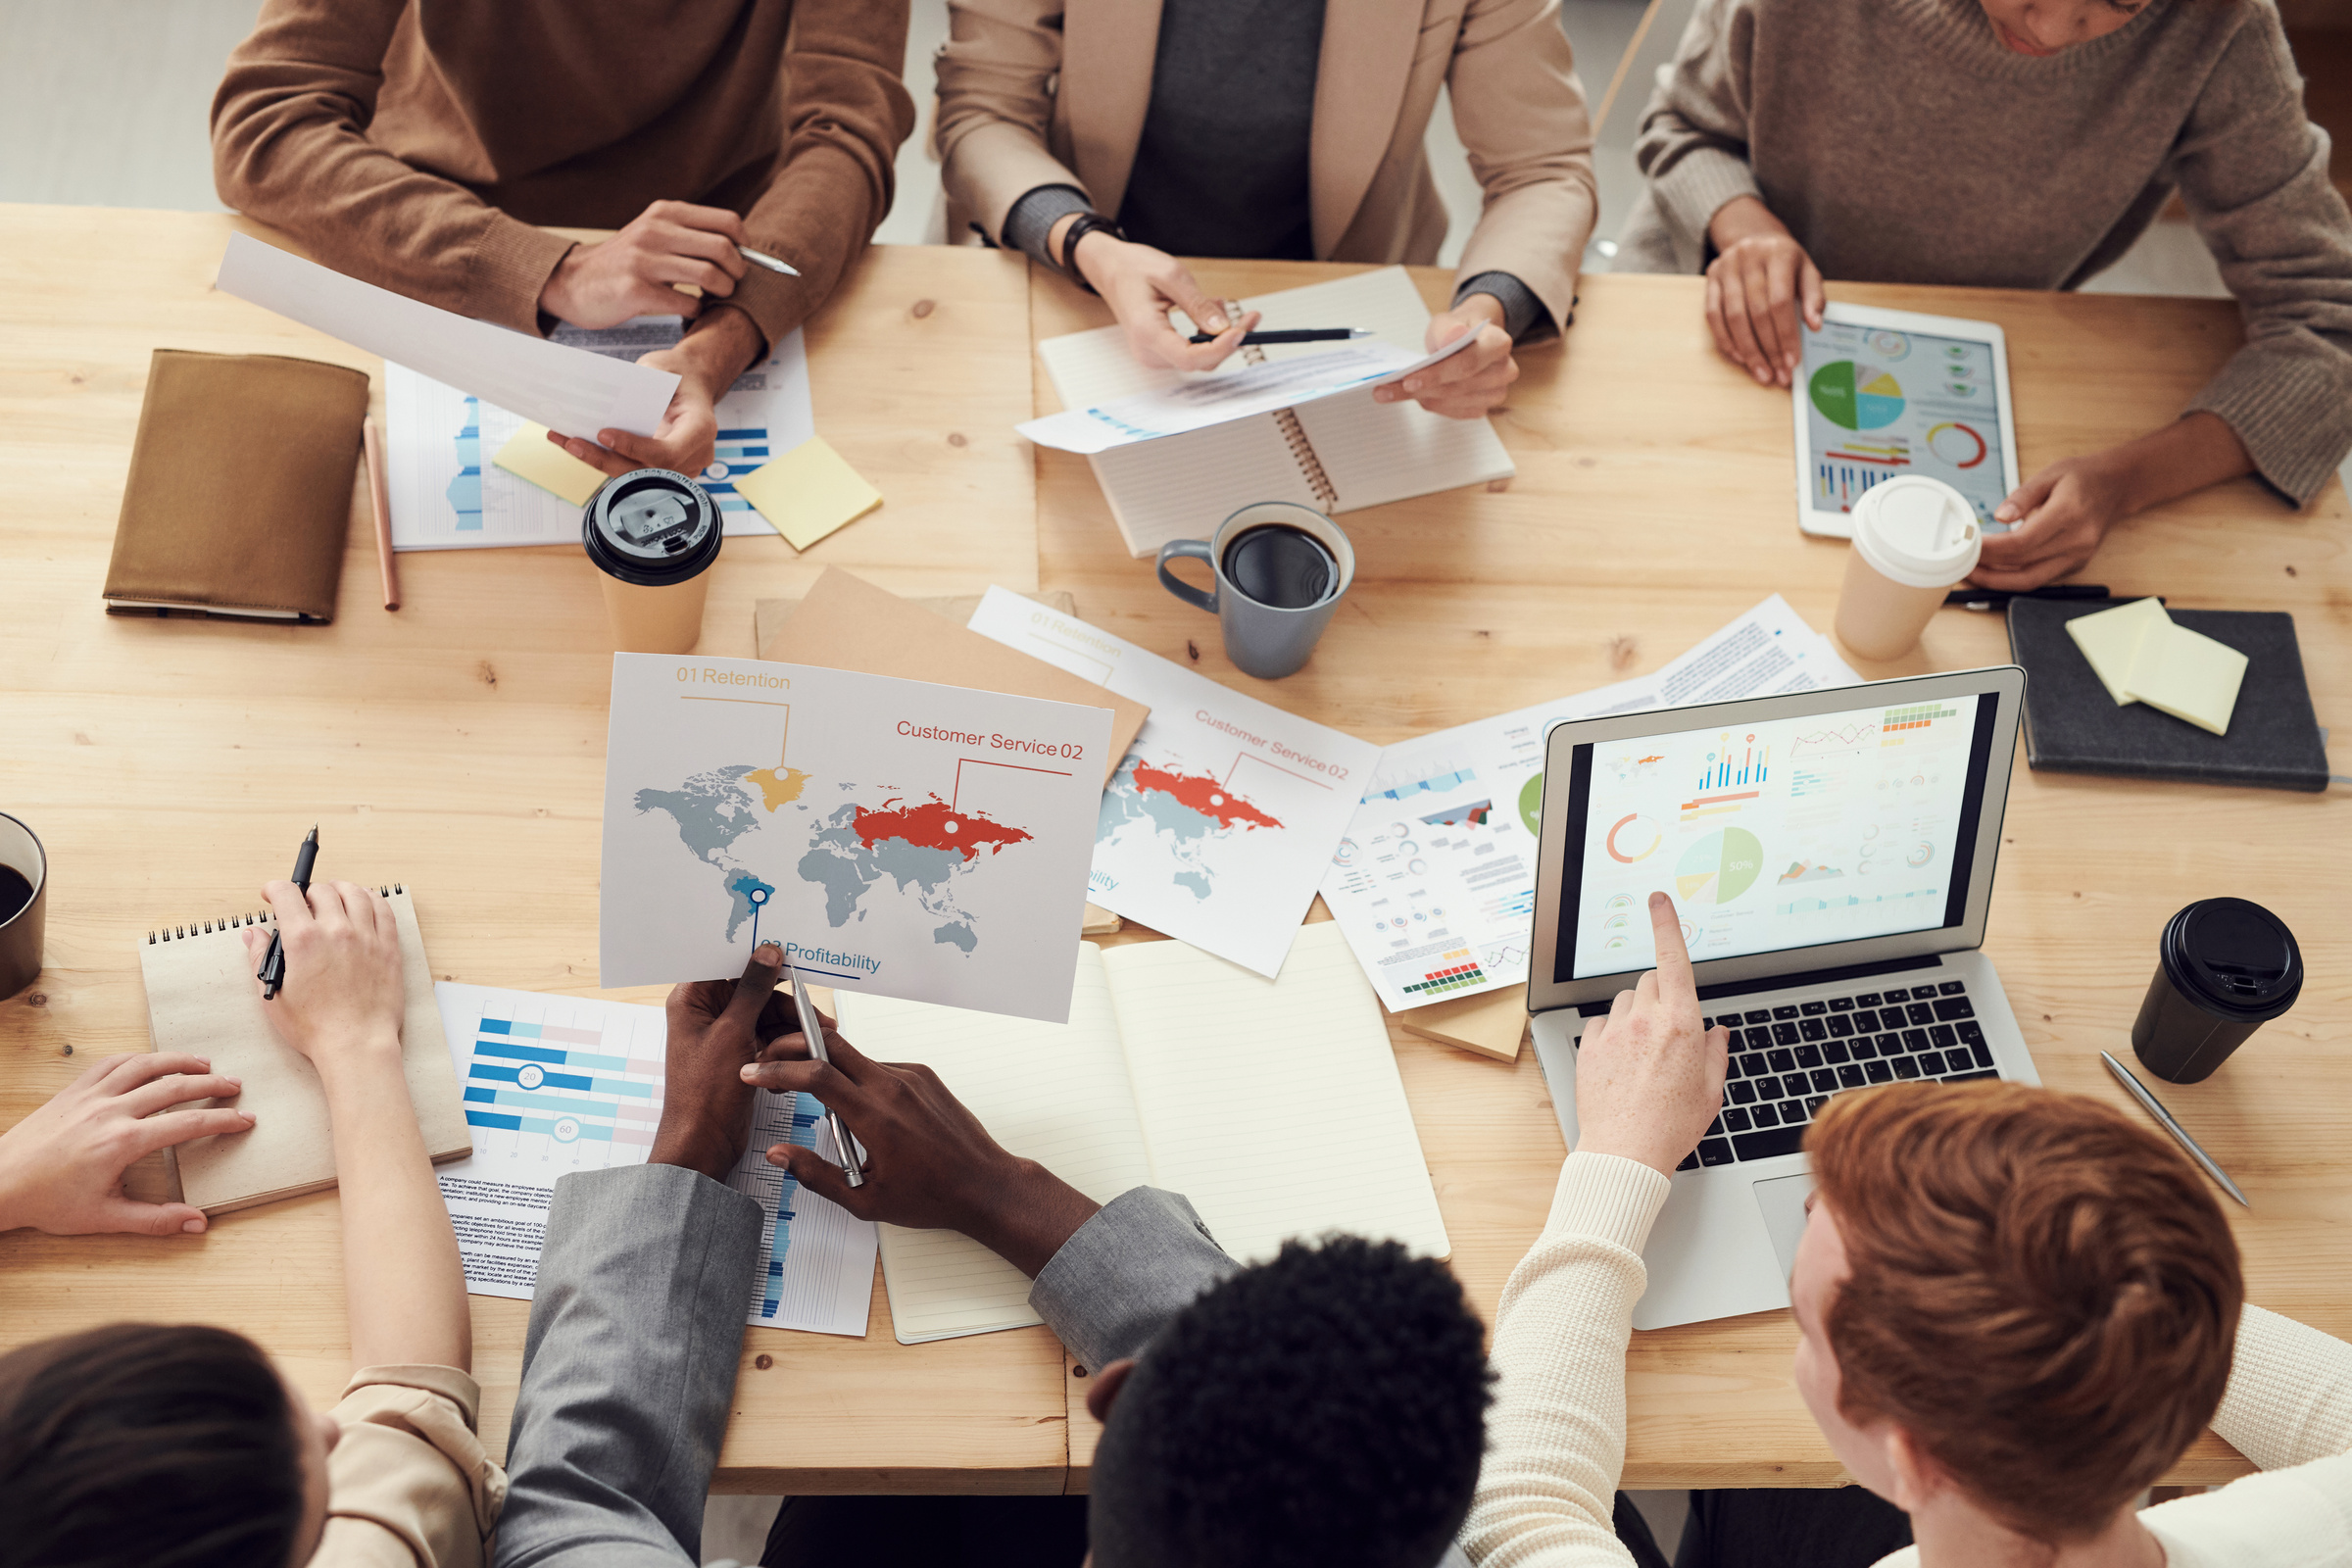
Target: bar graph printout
x: 554, y: 1085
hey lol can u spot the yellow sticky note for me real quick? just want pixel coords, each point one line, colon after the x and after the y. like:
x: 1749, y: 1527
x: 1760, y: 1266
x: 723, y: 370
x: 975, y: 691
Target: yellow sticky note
x: 2188, y: 675
x: 2112, y: 638
x: 807, y: 492
x: 529, y: 454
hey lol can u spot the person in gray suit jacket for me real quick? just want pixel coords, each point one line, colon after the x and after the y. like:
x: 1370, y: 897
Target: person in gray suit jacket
x: 1328, y: 1405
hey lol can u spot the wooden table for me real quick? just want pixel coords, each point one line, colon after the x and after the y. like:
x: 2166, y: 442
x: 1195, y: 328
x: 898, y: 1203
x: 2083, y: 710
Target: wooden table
x: 458, y: 745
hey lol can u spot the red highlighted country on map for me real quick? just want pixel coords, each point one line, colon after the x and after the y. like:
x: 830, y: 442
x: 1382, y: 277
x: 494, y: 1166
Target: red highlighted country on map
x: 1202, y: 794
x: 934, y: 825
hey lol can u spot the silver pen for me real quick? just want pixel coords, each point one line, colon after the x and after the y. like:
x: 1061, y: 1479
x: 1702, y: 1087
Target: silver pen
x: 762, y: 259
x: 815, y: 1028
x: 2138, y: 1092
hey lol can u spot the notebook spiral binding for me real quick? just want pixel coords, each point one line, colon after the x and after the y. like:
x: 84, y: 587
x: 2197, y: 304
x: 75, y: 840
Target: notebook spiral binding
x: 1294, y: 434
x: 206, y: 928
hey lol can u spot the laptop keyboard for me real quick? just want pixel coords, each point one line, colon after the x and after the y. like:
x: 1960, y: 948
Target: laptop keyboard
x: 1786, y: 1061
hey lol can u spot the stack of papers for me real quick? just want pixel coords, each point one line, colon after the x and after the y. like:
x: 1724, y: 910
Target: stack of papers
x: 2141, y: 655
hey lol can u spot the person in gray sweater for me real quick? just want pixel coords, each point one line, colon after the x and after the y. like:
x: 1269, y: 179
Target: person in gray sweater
x: 2015, y: 144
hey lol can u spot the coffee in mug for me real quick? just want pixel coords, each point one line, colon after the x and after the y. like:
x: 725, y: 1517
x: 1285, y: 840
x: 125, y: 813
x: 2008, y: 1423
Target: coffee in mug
x: 1914, y: 537
x: 2224, y: 968
x: 23, y: 890
x: 1277, y: 565
x: 653, y: 536
x: 1279, y: 570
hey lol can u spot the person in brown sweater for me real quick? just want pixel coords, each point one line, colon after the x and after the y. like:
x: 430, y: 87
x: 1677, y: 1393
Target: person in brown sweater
x: 2015, y: 144
x: 421, y: 144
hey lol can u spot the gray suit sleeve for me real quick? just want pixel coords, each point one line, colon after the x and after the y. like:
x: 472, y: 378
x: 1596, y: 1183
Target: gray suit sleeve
x: 1118, y: 1280
x: 629, y: 1369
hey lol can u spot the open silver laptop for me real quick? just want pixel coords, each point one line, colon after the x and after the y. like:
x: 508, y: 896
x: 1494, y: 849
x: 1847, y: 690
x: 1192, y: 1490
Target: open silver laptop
x: 1831, y: 855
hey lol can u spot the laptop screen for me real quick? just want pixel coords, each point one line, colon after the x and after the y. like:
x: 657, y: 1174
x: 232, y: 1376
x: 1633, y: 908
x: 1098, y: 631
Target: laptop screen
x: 1776, y: 835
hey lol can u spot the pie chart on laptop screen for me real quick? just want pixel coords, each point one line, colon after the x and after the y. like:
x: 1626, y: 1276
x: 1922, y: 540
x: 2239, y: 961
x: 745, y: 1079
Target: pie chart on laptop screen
x: 1856, y: 397
x: 1719, y: 868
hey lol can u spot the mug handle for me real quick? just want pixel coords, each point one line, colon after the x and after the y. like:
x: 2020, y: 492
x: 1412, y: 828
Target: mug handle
x: 1198, y: 549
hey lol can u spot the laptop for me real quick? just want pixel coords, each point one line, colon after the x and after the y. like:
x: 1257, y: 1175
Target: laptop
x: 1831, y: 855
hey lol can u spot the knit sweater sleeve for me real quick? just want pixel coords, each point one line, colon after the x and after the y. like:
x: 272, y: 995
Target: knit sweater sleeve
x: 2289, y: 1399
x: 1557, y: 1440
x: 1692, y: 144
x: 2253, y: 172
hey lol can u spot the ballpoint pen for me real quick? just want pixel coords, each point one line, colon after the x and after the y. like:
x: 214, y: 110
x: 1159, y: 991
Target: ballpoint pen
x: 273, y: 972
x: 762, y: 259
x: 815, y: 1028
x: 1997, y: 599
x: 1293, y: 334
x: 2155, y: 1109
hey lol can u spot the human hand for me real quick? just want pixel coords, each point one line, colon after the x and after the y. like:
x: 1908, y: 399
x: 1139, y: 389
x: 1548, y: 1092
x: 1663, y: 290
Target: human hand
x: 2057, y: 519
x: 1141, y: 285
x: 930, y: 1165
x: 1757, y: 286
x: 716, y: 1028
x: 706, y: 361
x: 61, y: 1168
x: 1476, y: 379
x: 1649, y: 1080
x: 632, y: 274
x: 343, y: 1000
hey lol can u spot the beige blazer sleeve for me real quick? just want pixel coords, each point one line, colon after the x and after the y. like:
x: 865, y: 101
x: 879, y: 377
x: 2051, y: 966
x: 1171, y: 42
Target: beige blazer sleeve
x: 996, y: 107
x: 409, y: 1483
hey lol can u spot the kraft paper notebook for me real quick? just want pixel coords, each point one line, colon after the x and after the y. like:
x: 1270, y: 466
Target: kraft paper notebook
x: 240, y: 489
x: 1274, y: 1106
x: 1338, y: 455
x: 201, y: 997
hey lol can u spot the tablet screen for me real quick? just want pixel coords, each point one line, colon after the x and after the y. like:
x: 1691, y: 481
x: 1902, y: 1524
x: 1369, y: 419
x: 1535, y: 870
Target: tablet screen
x: 1880, y: 402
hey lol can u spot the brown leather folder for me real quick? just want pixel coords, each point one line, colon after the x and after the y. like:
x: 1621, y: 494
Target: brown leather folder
x: 240, y: 488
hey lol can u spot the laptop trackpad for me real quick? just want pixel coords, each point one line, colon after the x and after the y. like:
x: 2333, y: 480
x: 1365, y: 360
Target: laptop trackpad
x: 1783, y: 1199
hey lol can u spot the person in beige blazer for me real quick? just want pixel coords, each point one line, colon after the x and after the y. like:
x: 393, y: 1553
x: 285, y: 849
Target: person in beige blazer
x: 1285, y: 128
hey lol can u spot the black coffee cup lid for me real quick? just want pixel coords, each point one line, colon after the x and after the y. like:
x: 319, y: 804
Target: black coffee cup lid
x: 2233, y: 958
x: 652, y: 527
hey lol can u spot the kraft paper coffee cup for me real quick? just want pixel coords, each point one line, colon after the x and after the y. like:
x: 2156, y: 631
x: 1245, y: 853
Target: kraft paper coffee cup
x: 653, y: 536
x: 1914, y: 537
x: 2224, y: 968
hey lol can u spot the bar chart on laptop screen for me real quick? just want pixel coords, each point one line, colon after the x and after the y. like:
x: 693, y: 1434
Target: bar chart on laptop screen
x: 573, y: 1089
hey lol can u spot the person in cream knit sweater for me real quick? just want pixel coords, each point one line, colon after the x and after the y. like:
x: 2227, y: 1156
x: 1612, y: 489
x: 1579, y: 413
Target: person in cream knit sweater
x: 2016, y: 1309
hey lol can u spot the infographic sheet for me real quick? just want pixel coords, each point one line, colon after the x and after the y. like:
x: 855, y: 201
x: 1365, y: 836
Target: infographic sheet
x: 1881, y: 403
x: 1220, y: 820
x: 918, y: 841
x: 1778, y: 835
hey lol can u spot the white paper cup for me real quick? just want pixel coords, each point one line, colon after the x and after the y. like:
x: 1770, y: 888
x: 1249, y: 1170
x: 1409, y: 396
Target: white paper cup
x: 1914, y: 537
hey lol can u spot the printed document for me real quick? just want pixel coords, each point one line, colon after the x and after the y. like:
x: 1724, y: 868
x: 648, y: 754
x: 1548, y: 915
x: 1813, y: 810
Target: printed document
x: 919, y: 841
x: 1223, y: 816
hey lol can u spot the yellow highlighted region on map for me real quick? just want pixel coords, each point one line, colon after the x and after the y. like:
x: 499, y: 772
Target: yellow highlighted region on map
x: 779, y: 785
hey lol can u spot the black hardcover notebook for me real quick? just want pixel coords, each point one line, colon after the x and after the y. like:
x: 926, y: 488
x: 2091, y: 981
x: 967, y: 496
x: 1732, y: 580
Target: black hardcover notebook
x: 2073, y: 727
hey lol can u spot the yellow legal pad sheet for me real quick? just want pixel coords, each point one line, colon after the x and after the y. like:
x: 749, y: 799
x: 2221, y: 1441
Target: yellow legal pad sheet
x: 2188, y: 675
x: 809, y: 492
x: 2111, y: 640
x: 529, y: 454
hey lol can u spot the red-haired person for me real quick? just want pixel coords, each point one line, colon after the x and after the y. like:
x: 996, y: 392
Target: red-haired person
x: 2016, y: 1308
x: 2015, y: 144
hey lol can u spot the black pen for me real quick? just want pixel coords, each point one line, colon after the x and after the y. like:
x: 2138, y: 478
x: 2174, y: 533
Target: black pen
x: 273, y: 972
x: 1997, y: 599
x: 1295, y: 334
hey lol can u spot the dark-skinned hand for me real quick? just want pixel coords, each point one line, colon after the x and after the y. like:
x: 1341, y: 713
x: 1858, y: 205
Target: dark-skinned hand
x: 716, y: 1028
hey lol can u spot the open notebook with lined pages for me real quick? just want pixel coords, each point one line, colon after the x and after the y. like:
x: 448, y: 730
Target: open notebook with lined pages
x: 1274, y: 1106
x: 1341, y: 453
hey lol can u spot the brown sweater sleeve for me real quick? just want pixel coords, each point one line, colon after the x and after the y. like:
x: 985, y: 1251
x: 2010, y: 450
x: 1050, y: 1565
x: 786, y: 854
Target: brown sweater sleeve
x: 845, y: 111
x: 290, y: 148
x: 1693, y: 140
x: 2253, y: 172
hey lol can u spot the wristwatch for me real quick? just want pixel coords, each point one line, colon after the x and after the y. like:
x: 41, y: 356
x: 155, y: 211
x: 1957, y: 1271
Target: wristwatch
x: 1086, y: 224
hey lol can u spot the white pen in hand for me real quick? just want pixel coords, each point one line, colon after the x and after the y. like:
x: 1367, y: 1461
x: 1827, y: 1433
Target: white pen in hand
x: 762, y: 259
x: 813, y: 1027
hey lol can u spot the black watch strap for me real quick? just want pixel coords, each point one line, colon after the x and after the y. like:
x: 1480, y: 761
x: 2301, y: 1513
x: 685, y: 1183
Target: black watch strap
x: 1086, y: 224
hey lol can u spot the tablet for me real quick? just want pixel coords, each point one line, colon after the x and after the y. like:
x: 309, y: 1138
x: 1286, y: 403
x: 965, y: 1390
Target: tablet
x: 1883, y: 393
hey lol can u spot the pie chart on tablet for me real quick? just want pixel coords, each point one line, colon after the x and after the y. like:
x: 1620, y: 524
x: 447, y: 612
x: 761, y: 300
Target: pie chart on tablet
x: 1856, y: 397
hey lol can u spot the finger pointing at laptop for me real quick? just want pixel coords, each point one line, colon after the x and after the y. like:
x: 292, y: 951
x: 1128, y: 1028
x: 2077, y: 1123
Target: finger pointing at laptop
x: 1649, y: 1078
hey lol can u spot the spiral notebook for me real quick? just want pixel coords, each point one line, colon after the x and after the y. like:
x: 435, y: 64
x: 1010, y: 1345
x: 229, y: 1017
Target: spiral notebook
x: 201, y: 997
x: 1338, y: 455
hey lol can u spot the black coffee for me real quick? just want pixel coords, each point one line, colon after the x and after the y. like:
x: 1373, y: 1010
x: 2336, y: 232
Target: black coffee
x: 14, y: 892
x: 1285, y: 567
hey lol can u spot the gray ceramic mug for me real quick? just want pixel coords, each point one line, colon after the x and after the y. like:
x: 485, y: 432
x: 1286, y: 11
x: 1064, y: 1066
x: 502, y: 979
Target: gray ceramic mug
x: 1265, y: 640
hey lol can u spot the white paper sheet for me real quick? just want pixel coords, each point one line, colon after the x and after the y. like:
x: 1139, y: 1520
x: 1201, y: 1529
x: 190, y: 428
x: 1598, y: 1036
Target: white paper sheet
x: 559, y: 387
x: 560, y: 1084
x: 917, y: 841
x: 1435, y: 882
x: 447, y: 494
x: 1222, y: 817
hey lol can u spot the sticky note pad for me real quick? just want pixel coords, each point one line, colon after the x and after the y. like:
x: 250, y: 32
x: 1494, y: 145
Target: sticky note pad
x: 2111, y: 640
x: 2188, y: 675
x: 529, y: 454
x: 809, y: 492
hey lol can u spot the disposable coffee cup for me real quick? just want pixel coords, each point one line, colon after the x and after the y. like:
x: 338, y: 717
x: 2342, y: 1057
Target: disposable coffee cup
x: 1914, y: 537
x: 653, y: 536
x: 1279, y: 570
x: 23, y: 897
x: 2224, y: 968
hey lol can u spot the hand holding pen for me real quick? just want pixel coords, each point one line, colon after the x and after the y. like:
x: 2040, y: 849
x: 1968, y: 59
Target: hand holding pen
x: 273, y: 972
